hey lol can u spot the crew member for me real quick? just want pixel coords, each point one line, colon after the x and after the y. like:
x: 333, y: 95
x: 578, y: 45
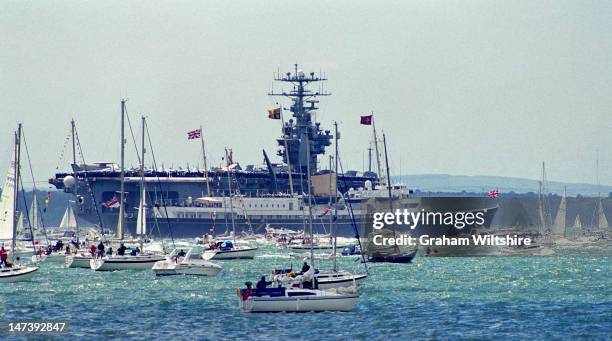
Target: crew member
x: 262, y: 284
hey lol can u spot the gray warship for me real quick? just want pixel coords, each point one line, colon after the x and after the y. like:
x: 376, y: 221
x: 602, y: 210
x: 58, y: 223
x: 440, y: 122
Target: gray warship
x: 193, y: 202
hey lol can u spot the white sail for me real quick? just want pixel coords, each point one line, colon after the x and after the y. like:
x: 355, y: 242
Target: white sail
x: 603, y: 222
x: 7, y: 203
x: 35, y: 220
x: 559, y: 224
x: 577, y: 223
x: 141, y: 221
x: 68, y: 220
x: 20, y: 226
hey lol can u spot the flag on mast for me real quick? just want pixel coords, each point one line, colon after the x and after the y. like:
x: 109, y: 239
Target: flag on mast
x: 274, y: 114
x: 194, y: 134
x: 366, y: 120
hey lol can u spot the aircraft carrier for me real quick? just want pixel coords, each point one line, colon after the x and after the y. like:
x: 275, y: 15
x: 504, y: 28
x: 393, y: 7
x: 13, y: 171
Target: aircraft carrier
x: 193, y: 202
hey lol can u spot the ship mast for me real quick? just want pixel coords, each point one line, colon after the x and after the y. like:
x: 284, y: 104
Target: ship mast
x: 302, y: 140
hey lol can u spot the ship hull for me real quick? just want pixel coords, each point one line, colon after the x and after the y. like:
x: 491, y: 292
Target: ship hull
x: 342, y: 227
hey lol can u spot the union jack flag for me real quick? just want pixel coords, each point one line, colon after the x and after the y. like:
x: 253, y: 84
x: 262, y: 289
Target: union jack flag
x: 493, y: 194
x: 194, y: 134
x: 113, y: 203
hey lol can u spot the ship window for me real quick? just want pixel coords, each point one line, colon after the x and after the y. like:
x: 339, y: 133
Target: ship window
x: 290, y: 206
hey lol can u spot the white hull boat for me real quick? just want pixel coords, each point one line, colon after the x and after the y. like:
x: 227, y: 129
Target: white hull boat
x: 54, y: 257
x: 330, y: 280
x: 114, y: 263
x: 187, y: 265
x: 296, y: 300
x: 234, y: 253
x: 79, y: 261
x: 17, y: 273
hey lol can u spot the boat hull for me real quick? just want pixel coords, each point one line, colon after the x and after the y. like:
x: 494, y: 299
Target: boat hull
x: 301, y: 304
x: 342, y: 281
x: 76, y: 261
x: 169, y: 268
x: 123, y: 263
x: 10, y: 275
x: 231, y: 254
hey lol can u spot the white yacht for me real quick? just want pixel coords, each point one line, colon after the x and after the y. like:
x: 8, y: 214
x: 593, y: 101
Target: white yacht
x: 189, y: 264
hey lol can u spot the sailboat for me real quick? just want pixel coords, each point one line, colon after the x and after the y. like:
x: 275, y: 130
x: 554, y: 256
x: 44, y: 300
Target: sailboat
x: 558, y: 228
x: 602, y: 221
x: 229, y: 249
x: 13, y: 272
x: 302, y: 295
x: 396, y: 256
x: 142, y: 261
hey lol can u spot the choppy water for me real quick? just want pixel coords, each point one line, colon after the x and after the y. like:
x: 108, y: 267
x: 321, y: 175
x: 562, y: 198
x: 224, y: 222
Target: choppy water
x: 556, y: 297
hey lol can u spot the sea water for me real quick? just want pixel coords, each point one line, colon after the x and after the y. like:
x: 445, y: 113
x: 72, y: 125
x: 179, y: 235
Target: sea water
x: 563, y: 296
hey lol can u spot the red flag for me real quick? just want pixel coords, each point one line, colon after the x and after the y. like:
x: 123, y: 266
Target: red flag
x: 194, y: 134
x: 493, y: 194
x: 366, y: 120
x: 113, y: 203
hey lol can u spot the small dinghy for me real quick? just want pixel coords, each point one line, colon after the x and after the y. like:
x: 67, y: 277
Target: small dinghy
x: 229, y: 250
x: 190, y: 264
x: 116, y: 262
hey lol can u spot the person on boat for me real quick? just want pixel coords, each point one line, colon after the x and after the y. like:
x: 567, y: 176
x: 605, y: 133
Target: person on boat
x: 67, y: 249
x: 181, y: 253
x: 100, y: 250
x: 59, y: 245
x: 92, y: 250
x: 121, y: 250
x: 262, y: 284
x: 305, y: 268
x: 3, y: 256
x: 110, y: 251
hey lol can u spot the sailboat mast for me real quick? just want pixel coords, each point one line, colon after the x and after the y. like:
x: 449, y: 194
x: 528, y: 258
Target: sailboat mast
x: 119, y: 231
x: 388, y: 174
x: 16, y: 175
x: 143, y: 192
x: 205, y: 163
x: 381, y: 176
x: 335, y: 194
x: 309, y: 200
x: 229, y: 184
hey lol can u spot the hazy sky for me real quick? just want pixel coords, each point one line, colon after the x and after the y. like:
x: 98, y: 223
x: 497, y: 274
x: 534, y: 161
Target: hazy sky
x: 460, y: 87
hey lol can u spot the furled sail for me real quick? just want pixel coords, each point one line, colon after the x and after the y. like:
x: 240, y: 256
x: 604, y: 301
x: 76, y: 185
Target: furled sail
x: 141, y: 221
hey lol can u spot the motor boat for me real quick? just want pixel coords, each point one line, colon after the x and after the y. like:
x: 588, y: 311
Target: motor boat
x: 229, y: 250
x: 189, y: 264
